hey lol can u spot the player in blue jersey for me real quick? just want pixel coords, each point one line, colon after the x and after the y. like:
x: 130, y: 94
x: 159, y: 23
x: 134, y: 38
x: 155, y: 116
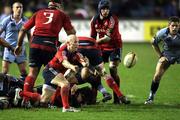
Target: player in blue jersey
x: 169, y: 55
x: 11, y: 26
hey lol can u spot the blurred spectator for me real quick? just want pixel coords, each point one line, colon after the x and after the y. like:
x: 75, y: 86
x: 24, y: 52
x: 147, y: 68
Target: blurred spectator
x: 6, y: 12
x: 171, y: 8
x: 85, y: 9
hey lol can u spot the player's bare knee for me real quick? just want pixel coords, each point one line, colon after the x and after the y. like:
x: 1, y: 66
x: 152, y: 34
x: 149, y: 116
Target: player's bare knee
x: 163, y: 60
x: 64, y: 84
x: 157, y: 77
x: 46, y: 95
x: 58, y: 79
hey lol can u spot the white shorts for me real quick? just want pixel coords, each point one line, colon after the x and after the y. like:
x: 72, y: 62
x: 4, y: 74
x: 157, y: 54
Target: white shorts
x: 10, y: 57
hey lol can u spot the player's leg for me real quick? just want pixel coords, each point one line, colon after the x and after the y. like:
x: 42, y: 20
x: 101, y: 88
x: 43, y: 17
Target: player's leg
x: 21, y: 62
x: 113, y: 85
x: 62, y: 82
x: 5, y: 66
x: 8, y: 58
x: 113, y: 71
x: 34, y: 68
x: 161, y: 67
x: 47, y: 92
x: 22, y: 69
x: 115, y: 59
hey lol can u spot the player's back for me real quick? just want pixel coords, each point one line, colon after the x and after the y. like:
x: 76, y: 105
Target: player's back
x: 48, y: 22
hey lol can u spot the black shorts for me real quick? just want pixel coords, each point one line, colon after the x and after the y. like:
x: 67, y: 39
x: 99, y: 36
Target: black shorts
x: 111, y: 55
x: 38, y: 57
x: 93, y: 55
x: 48, y: 75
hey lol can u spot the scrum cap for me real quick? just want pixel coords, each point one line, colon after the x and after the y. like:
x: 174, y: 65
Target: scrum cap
x: 104, y: 4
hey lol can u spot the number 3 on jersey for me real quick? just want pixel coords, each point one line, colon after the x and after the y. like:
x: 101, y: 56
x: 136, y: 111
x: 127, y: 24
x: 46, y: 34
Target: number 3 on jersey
x: 49, y: 16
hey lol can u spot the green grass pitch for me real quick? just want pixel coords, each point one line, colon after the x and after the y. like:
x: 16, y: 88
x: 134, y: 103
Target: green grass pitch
x: 135, y: 83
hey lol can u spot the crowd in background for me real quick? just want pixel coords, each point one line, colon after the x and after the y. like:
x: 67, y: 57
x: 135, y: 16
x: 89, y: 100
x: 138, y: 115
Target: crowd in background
x: 85, y: 9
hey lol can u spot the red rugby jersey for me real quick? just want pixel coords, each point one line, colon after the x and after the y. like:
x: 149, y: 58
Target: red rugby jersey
x: 64, y: 54
x: 48, y: 22
x: 110, y: 27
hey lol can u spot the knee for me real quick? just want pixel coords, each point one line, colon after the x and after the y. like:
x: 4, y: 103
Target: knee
x: 157, y: 77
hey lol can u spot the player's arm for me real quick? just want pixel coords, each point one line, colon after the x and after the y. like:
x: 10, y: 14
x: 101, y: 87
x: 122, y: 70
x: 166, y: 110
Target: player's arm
x: 69, y: 32
x: 25, y: 28
x: 68, y: 65
x: 93, y: 32
x: 21, y: 36
x: 104, y: 39
x: 156, y: 46
x: 68, y: 27
x: 6, y: 44
x: 83, y: 60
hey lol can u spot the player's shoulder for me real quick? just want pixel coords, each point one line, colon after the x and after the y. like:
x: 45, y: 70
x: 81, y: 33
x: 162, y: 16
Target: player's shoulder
x: 6, y: 19
x: 95, y: 18
x: 162, y: 32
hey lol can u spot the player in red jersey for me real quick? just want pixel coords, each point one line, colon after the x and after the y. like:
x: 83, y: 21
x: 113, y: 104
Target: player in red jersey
x: 48, y: 23
x: 89, y: 48
x: 105, y: 25
x: 65, y: 61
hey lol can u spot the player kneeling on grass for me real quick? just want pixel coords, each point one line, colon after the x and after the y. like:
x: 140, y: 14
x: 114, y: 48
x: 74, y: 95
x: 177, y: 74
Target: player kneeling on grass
x: 66, y: 58
x: 169, y: 55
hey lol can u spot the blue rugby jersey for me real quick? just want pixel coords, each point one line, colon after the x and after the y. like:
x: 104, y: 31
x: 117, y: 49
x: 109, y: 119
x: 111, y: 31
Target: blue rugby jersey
x: 11, y: 29
x: 169, y: 43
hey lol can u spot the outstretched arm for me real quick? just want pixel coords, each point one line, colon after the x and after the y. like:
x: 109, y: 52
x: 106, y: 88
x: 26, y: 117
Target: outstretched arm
x: 156, y: 47
x: 21, y: 36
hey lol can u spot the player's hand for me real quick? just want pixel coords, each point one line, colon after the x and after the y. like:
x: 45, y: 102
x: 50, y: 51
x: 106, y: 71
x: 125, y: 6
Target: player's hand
x: 75, y: 68
x: 86, y: 64
x: 74, y: 89
x: 18, y: 50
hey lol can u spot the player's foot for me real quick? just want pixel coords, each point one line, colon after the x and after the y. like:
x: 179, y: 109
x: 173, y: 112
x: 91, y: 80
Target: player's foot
x: 149, y: 101
x: 17, y: 97
x: 70, y: 109
x: 106, y: 97
x: 26, y: 104
x: 124, y: 100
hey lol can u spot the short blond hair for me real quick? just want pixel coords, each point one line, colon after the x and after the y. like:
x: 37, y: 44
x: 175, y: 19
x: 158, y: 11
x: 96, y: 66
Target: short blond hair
x: 72, y: 38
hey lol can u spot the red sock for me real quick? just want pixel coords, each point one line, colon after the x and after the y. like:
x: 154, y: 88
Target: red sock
x: 65, y: 96
x: 29, y: 83
x: 112, y: 84
x: 55, y: 96
x: 30, y: 95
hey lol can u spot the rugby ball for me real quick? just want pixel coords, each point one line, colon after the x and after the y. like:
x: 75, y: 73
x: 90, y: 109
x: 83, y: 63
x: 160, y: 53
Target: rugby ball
x: 130, y: 59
